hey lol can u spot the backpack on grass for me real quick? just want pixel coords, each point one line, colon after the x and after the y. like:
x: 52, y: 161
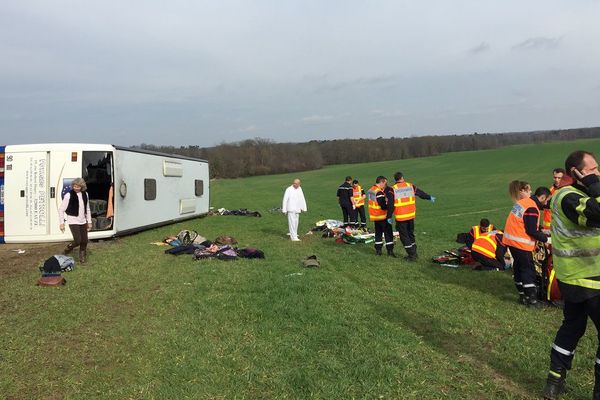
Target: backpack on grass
x: 187, y: 237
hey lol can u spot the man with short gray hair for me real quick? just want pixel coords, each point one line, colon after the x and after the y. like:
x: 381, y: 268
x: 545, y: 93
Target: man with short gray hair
x: 293, y: 204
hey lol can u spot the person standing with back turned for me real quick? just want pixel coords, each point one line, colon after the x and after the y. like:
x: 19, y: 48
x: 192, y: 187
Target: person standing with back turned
x: 344, y: 194
x: 405, y: 210
x: 293, y: 204
x: 576, y: 256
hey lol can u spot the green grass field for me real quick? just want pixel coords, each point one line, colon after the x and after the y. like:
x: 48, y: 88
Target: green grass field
x: 139, y: 324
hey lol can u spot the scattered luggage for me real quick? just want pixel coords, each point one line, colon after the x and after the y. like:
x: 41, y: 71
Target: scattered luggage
x: 51, y: 280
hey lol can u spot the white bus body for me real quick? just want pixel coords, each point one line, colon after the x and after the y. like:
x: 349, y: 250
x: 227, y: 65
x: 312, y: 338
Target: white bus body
x: 129, y: 189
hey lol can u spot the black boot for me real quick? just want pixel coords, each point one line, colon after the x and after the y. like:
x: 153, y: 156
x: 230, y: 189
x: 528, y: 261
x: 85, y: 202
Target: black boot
x: 596, y: 395
x: 555, y: 385
x: 532, y: 302
x: 82, y: 256
x: 68, y: 249
x: 378, y: 249
x: 522, y: 299
x: 390, y: 250
x: 412, y: 253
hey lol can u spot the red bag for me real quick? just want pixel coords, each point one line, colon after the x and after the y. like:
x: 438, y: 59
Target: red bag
x: 553, y: 291
x: 51, y: 280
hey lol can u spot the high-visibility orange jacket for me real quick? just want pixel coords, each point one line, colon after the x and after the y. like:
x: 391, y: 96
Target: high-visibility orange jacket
x: 376, y: 213
x: 486, y: 244
x: 476, y: 231
x: 547, y: 212
x: 514, y: 229
x: 405, y: 207
x: 357, y: 196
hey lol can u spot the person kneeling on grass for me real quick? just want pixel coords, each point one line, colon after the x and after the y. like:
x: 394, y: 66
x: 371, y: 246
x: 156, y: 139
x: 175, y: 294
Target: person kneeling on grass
x: 489, y: 251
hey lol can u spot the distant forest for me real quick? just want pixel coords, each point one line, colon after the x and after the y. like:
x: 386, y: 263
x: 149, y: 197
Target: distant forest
x: 264, y: 157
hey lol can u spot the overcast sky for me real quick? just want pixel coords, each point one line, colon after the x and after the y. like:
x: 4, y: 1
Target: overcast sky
x: 204, y: 72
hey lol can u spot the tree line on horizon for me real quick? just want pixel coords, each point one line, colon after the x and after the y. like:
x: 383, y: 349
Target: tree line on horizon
x: 260, y: 156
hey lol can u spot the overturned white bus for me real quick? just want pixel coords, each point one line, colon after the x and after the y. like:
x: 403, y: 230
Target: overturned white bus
x: 129, y: 189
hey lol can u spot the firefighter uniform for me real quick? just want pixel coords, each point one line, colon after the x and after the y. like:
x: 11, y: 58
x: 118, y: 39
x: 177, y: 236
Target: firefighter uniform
x: 475, y: 232
x: 520, y: 234
x: 488, y: 250
x: 547, y: 213
x: 576, y: 256
x: 358, y: 202
x: 405, y: 209
x: 344, y: 194
x: 380, y: 210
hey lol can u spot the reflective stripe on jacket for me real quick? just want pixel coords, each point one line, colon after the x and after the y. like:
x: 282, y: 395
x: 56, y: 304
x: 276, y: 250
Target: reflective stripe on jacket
x: 575, y: 248
x: 547, y: 213
x: 514, y: 229
x: 486, y: 244
x: 405, y: 207
x: 357, y: 196
x: 376, y: 213
x: 476, y: 230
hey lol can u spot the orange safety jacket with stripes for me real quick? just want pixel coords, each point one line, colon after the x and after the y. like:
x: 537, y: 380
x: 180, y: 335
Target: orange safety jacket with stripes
x: 357, y: 196
x: 486, y: 244
x: 515, y: 234
x: 376, y: 213
x: 476, y: 231
x: 405, y: 207
x: 547, y: 214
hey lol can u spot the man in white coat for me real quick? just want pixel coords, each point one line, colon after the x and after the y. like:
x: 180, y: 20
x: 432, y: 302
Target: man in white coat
x: 293, y: 204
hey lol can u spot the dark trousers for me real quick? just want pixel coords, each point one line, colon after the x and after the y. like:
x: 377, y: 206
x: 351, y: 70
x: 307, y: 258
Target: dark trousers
x: 486, y: 262
x: 382, y: 228
x: 347, y: 213
x: 524, y: 272
x: 406, y: 231
x: 80, y: 236
x: 363, y: 218
x: 575, y: 316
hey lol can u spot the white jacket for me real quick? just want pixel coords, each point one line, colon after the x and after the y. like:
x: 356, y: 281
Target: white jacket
x: 293, y: 200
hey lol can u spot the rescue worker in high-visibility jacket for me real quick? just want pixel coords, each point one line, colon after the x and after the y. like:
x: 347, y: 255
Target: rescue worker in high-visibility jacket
x: 521, y: 231
x: 489, y: 251
x: 576, y: 256
x: 381, y: 210
x: 557, y: 175
x: 483, y: 227
x: 405, y: 209
x: 358, y: 203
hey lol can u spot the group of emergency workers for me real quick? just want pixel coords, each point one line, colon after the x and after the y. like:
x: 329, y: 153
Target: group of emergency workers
x: 568, y: 212
x: 386, y: 204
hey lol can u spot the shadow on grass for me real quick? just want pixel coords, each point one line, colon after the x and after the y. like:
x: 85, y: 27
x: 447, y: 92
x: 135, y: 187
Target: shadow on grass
x: 510, y: 378
x: 486, y: 282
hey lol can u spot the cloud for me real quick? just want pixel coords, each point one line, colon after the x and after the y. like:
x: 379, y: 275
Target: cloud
x: 480, y: 48
x: 379, y: 113
x: 361, y: 82
x: 538, y: 43
x: 317, y: 119
x: 246, y: 129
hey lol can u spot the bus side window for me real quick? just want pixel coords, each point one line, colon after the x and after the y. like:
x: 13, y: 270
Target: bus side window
x: 149, y: 189
x: 199, y: 187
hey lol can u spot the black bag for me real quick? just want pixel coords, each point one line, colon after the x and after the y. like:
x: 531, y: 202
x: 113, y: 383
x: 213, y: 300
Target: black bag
x: 51, y: 265
x: 187, y: 237
x: 462, y: 238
